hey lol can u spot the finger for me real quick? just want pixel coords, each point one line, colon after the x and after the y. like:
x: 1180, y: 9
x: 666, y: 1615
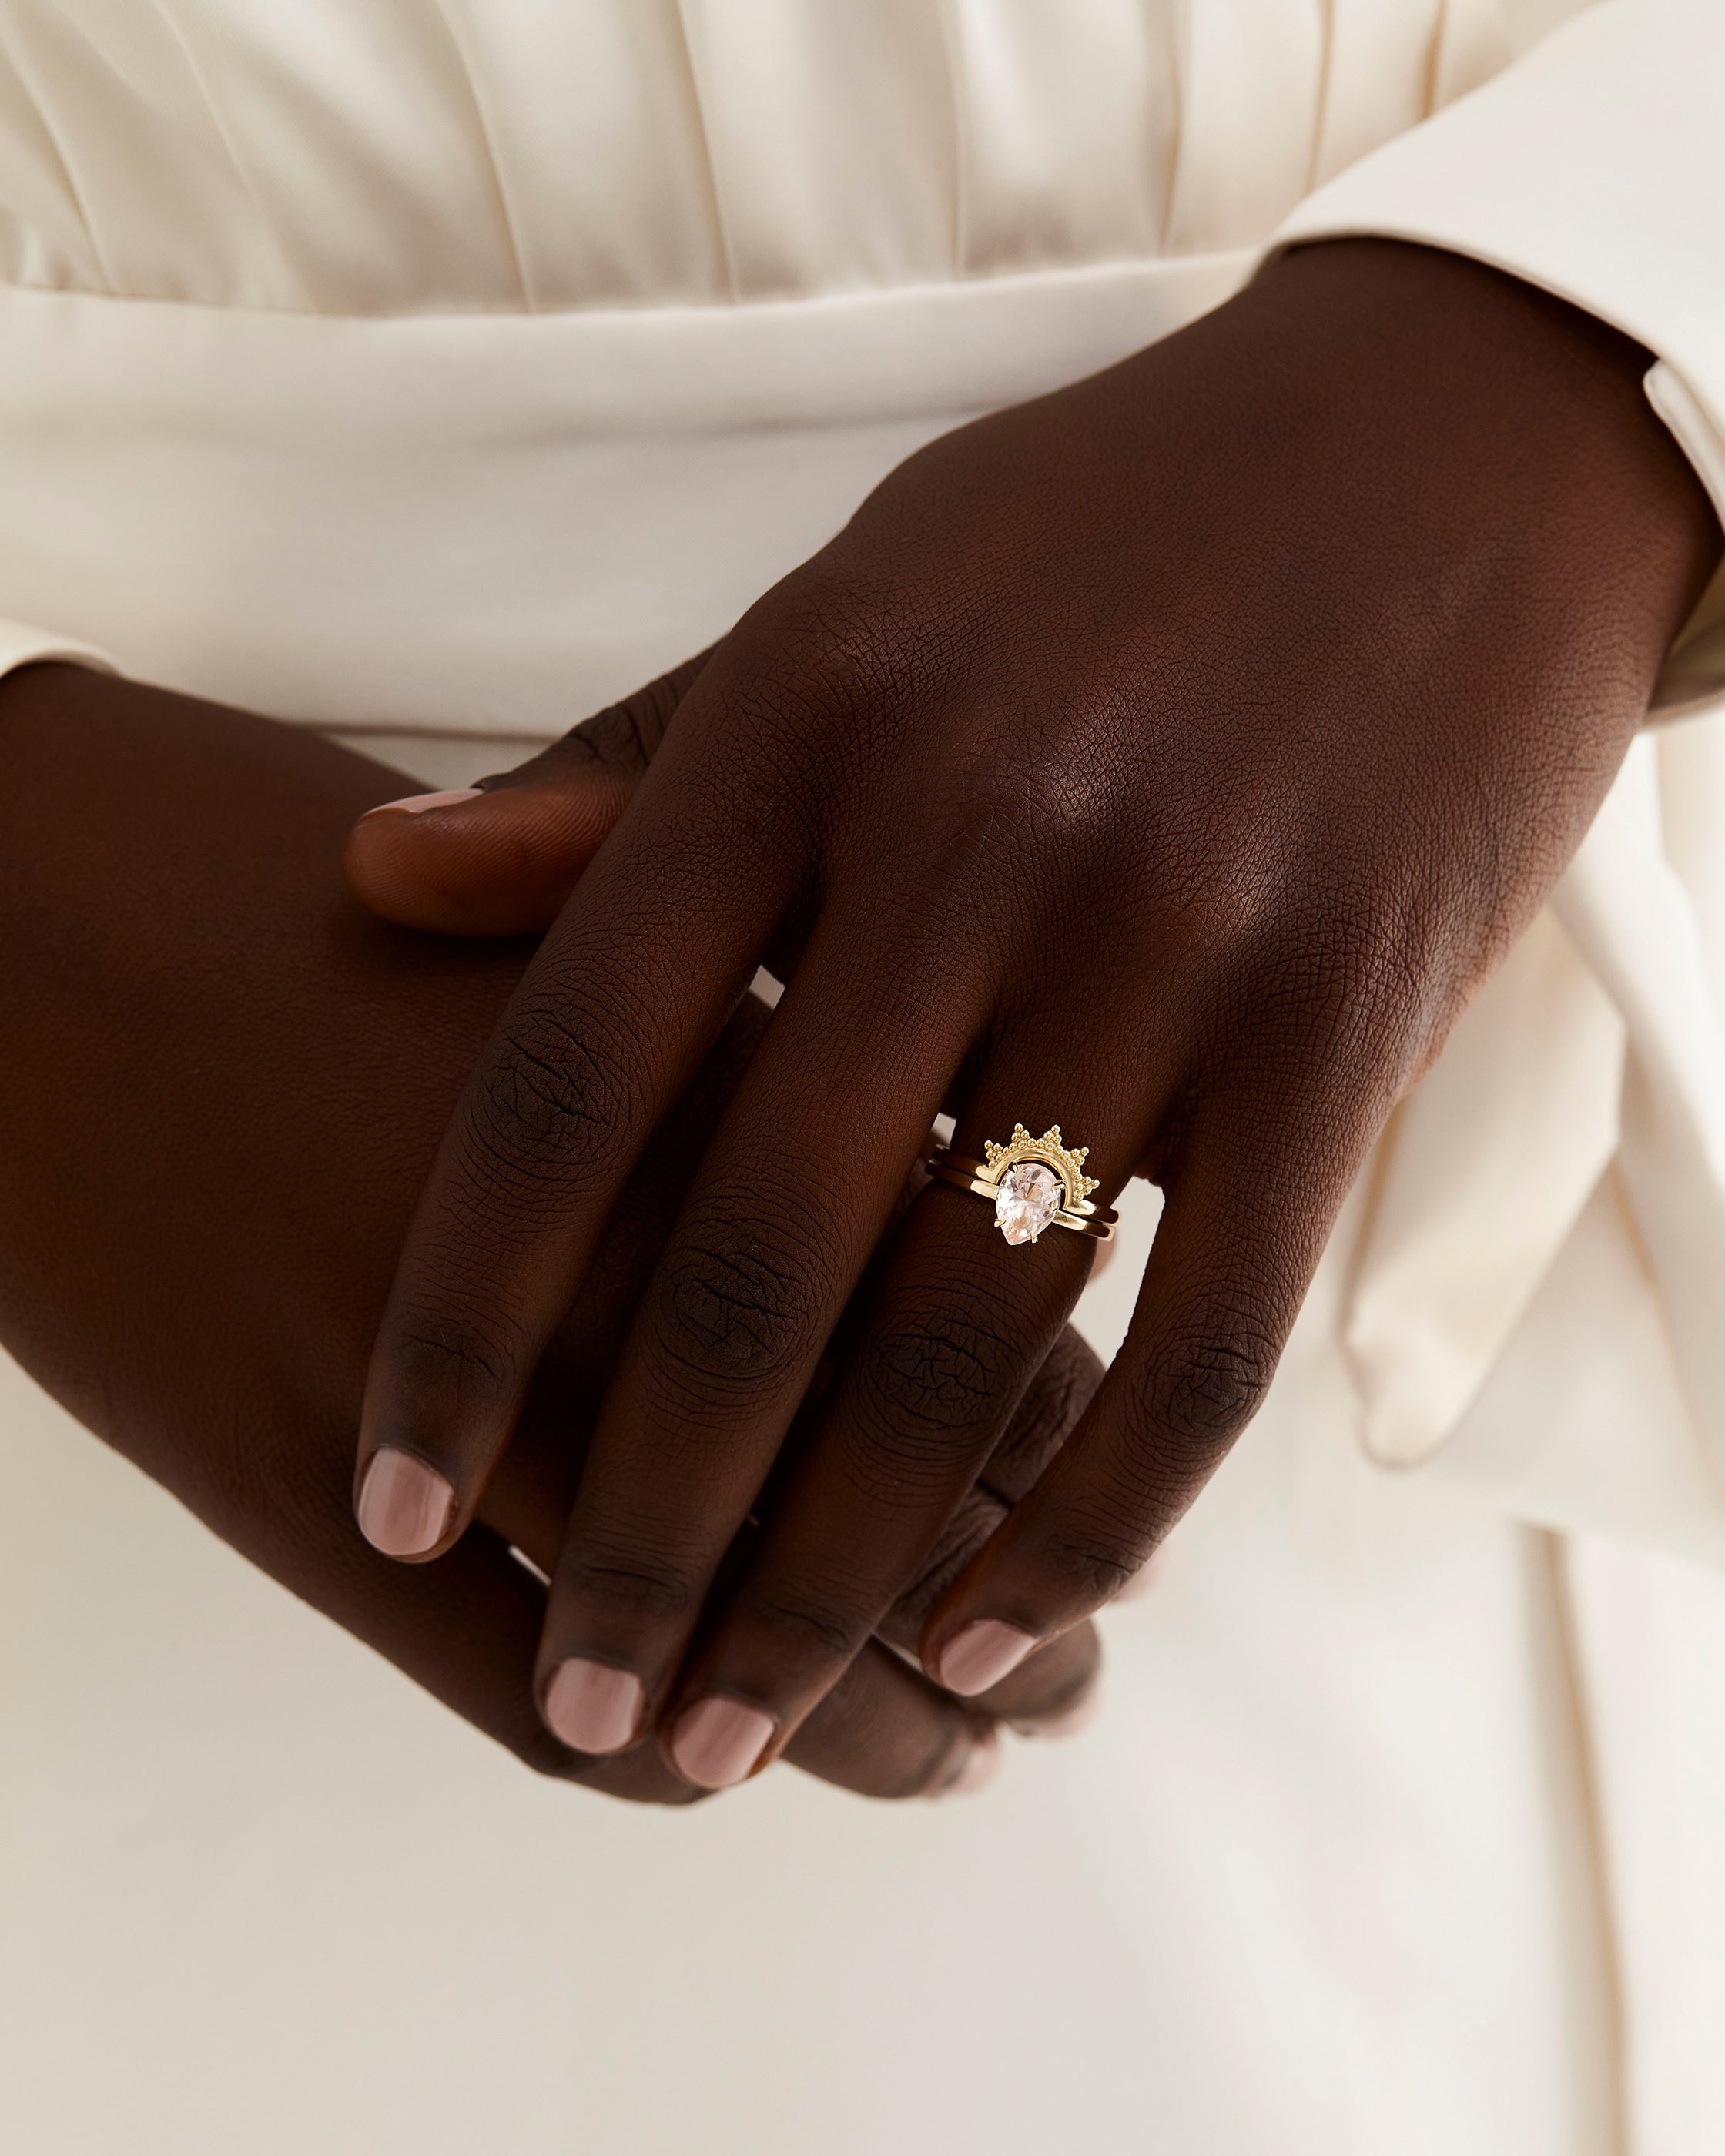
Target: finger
x: 466, y: 1631
x: 608, y: 1027
x: 885, y: 1732
x: 500, y: 859
x: 1054, y: 1404
x: 1053, y: 1688
x: 1063, y: 1386
x: 881, y: 1736
x: 1245, y: 1224
x: 1059, y: 1393
x: 1053, y: 1692
x: 798, y: 1186
x: 958, y: 1326
x: 874, y: 1735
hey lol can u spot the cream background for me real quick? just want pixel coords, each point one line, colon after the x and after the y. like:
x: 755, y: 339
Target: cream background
x: 1321, y: 1879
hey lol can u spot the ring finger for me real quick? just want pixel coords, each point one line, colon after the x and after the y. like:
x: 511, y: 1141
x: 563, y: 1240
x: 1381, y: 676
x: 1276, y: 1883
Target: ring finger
x: 954, y: 1332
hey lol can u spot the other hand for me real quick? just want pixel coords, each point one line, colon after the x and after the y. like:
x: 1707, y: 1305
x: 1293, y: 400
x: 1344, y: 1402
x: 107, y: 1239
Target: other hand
x: 220, y: 1087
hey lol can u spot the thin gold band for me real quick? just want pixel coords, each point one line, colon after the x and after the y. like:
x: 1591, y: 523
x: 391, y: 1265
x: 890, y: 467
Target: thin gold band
x: 1083, y: 1218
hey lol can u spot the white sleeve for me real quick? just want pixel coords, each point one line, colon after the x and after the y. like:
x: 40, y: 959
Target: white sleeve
x: 1538, y: 1302
x: 21, y: 646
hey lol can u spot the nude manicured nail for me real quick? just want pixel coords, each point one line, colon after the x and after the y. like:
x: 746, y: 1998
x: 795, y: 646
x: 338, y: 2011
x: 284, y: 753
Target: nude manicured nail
x: 718, y: 1741
x: 591, y: 1706
x: 403, y: 1504
x: 416, y: 804
x: 981, y: 1764
x: 981, y: 1654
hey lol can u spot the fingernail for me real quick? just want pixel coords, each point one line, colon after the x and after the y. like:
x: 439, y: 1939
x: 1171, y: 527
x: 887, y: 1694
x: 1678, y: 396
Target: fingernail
x: 718, y: 1741
x: 591, y: 1706
x: 403, y: 1504
x: 981, y: 1764
x: 1142, y: 1580
x: 416, y: 804
x: 1076, y: 1718
x: 981, y: 1654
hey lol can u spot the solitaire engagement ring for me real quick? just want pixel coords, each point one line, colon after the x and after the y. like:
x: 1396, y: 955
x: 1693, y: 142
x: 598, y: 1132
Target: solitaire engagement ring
x: 1033, y: 1183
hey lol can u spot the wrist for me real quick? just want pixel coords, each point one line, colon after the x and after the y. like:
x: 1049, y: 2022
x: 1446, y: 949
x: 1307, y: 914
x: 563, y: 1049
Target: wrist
x: 1528, y: 414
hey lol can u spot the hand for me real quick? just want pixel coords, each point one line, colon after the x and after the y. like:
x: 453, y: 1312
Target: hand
x: 1171, y: 757
x: 220, y: 1087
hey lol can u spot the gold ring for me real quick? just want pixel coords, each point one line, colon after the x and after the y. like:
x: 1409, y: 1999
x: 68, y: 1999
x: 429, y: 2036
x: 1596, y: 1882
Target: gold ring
x: 1034, y: 1183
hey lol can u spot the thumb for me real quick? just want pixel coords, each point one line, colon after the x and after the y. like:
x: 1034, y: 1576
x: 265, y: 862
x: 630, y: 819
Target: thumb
x: 501, y: 858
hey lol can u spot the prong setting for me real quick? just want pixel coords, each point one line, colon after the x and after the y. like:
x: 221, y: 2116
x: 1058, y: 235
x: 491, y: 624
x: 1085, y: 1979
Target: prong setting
x: 1067, y: 1162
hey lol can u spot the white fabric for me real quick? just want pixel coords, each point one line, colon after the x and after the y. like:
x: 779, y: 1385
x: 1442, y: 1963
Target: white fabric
x: 445, y: 368
x: 20, y: 646
x: 271, y: 509
x: 500, y: 157
x: 1322, y: 1880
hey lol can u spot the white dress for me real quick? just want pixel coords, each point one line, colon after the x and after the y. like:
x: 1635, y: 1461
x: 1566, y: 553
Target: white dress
x: 431, y: 371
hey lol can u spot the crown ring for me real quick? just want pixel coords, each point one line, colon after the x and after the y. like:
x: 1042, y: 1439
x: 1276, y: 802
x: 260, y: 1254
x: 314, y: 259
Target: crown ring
x: 1034, y: 1183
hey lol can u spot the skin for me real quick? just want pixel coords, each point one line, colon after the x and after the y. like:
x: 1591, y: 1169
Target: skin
x: 1172, y: 756
x: 221, y: 1085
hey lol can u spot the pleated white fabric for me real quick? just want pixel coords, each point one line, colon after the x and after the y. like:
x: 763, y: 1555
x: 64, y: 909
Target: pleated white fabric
x: 431, y: 372
x: 407, y: 158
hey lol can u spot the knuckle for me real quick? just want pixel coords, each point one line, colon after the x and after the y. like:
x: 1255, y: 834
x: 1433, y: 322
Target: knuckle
x: 804, y: 1623
x: 1058, y: 1394
x: 1218, y: 900
x: 614, y: 740
x: 1213, y: 1393
x: 627, y: 736
x: 1208, y: 1386
x: 855, y: 641
x: 976, y: 1520
x: 639, y: 1587
x: 551, y: 1099
x: 1222, y: 912
x: 1331, y: 987
x: 934, y: 1373
x: 454, y: 1361
x: 733, y: 1310
x: 1337, y: 985
x: 1089, y: 1559
x: 1413, y: 973
x: 998, y: 821
x: 1011, y: 823
x: 1063, y: 803
x: 835, y: 660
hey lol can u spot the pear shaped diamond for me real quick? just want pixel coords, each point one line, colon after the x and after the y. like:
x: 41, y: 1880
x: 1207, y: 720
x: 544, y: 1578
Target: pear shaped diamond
x: 1027, y: 1199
